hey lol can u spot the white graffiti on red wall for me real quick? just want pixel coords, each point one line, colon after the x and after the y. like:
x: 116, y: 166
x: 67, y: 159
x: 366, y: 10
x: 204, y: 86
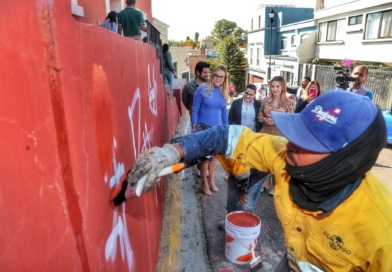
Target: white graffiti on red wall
x: 119, y: 230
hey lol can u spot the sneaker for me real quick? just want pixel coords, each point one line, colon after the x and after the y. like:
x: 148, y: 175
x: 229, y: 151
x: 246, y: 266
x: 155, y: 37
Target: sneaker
x: 272, y: 192
x: 262, y: 189
x: 227, y: 176
x: 221, y: 225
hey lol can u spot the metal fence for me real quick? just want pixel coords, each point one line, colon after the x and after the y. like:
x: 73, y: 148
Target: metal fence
x: 154, y: 39
x: 379, y: 81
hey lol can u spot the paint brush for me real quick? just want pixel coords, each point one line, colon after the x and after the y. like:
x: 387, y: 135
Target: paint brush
x: 126, y: 190
x: 255, y: 264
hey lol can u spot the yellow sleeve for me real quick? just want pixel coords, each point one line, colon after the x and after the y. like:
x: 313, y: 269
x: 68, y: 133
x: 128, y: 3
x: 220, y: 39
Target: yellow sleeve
x: 264, y: 152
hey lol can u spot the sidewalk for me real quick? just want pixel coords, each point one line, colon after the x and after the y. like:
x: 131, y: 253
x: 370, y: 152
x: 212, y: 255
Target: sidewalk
x: 213, y: 210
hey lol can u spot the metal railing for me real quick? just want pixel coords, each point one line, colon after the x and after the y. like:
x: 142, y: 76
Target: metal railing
x: 379, y: 81
x: 154, y: 39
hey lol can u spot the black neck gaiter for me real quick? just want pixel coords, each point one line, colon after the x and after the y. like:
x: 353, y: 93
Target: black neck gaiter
x: 313, y: 184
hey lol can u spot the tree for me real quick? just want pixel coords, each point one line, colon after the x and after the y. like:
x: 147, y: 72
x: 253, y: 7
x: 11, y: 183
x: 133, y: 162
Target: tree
x: 187, y: 38
x: 231, y: 56
x: 223, y: 28
x: 212, y: 63
x: 173, y: 43
x: 197, y: 37
x: 241, y: 36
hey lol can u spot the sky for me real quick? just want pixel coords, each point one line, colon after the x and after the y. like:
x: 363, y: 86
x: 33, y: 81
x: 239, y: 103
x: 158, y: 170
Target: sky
x: 186, y: 17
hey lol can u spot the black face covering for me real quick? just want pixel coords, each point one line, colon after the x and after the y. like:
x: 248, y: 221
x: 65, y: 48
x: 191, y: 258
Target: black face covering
x: 313, y: 184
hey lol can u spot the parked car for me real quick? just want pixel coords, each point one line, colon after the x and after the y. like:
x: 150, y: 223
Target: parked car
x: 388, y: 120
x: 262, y: 90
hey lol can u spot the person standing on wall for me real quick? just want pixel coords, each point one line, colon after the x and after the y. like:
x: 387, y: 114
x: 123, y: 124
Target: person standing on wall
x: 209, y: 106
x: 232, y: 92
x: 312, y: 91
x: 131, y: 21
x: 202, y: 70
x: 300, y: 91
x: 169, y: 70
x: 276, y: 101
x: 110, y: 22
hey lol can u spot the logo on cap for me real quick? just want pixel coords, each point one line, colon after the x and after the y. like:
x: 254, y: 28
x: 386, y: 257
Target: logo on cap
x: 325, y: 115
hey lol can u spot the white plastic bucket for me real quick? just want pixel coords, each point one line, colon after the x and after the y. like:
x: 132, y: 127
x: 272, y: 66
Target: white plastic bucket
x: 238, y: 239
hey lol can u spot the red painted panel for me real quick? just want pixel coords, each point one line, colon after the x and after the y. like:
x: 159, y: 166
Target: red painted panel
x: 84, y: 103
x: 177, y: 93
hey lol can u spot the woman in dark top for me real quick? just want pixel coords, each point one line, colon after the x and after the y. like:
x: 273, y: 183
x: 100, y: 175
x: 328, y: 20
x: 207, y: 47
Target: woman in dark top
x: 169, y: 70
x: 306, y: 98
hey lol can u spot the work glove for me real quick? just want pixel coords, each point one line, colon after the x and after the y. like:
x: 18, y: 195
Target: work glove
x: 151, y: 162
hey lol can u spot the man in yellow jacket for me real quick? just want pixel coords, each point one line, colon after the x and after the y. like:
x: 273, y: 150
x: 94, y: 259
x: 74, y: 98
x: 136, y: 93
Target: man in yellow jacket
x: 335, y: 214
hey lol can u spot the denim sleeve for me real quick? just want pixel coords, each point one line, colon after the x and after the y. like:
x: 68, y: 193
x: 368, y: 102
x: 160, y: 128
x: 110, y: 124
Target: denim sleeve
x: 205, y: 143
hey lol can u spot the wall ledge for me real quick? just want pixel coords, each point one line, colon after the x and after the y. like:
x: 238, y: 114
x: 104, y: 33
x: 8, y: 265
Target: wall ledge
x: 337, y: 42
x: 377, y: 40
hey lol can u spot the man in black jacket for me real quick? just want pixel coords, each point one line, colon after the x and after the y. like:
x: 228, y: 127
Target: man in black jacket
x: 202, y: 70
x: 241, y: 109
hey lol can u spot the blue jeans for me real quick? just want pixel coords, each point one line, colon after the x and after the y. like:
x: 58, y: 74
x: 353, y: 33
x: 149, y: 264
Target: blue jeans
x: 169, y: 78
x: 233, y: 204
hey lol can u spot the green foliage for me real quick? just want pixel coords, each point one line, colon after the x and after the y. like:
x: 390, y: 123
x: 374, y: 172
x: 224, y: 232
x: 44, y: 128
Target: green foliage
x: 197, y: 37
x: 315, y: 60
x: 212, y: 63
x: 234, y: 60
x: 222, y: 29
x: 241, y: 36
x: 194, y: 44
x: 173, y: 43
x: 187, y: 38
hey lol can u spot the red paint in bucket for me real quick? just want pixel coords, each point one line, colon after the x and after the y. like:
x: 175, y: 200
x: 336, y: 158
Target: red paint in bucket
x: 244, y: 219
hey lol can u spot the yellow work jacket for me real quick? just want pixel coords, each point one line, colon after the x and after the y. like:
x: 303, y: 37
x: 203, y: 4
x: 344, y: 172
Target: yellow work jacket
x: 355, y: 236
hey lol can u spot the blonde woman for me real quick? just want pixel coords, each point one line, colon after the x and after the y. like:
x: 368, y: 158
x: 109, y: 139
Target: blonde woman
x: 275, y: 101
x: 209, y: 106
x: 312, y: 91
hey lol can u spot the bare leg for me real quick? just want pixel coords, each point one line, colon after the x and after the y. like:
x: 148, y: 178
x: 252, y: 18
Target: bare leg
x: 204, y: 183
x: 211, y: 169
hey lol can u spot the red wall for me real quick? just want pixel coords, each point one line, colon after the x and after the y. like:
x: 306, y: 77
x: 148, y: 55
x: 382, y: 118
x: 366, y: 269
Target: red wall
x: 79, y: 104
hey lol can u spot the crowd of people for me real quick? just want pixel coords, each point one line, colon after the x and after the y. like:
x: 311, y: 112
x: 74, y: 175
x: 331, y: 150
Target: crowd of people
x: 319, y: 148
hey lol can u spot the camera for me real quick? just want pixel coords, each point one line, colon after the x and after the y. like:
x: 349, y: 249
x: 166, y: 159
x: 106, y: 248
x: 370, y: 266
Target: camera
x: 343, y: 78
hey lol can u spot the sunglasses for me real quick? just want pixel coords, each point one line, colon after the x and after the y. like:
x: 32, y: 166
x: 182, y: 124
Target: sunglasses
x: 248, y: 94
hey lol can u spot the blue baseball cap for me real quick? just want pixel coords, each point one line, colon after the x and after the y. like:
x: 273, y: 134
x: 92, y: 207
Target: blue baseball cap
x: 328, y: 123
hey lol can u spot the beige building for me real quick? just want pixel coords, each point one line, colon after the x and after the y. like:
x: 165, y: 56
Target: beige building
x: 180, y: 55
x: 163, y: 28
x: 207, y: 44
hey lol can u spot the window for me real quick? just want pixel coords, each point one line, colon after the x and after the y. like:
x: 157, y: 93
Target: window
x: 304, y: 37
x: 331, y: 31
x: 251, y: 56
x: 355, y: 20
x: 251, y: 25
x: 258, y: 57
x: 379, y: 25
x: 293, y: 40
x: 283, y: 43
x: 259, y: 21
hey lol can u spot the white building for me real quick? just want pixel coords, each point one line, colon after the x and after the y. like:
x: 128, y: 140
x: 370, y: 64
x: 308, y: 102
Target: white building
x: 359, y: 30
